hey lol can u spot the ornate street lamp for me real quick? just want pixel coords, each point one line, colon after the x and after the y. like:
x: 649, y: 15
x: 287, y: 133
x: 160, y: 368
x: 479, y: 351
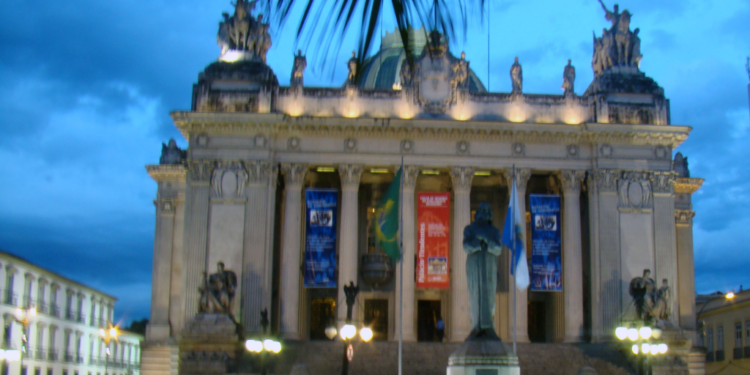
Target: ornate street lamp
x: 265, y: 345
x: 645, y: 344
x: 23, y: 316
x: 107, y: 336
x: 349, y: 331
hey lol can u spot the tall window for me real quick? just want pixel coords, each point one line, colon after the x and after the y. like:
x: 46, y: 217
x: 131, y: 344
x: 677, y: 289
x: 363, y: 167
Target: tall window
x: 738, y: 335
x: 747, y: 333
x: 720, y: 338
x: 710, y: 340
x: 40, y: 296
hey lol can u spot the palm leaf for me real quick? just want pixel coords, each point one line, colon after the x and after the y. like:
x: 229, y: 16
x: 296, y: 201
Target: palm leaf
x: 325, y: 23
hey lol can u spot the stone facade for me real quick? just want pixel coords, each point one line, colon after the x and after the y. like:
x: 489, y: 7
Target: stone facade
x: 255, y: 146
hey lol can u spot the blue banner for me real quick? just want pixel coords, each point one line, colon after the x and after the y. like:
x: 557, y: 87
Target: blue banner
x: 546, y: 258
x: 321, y: 269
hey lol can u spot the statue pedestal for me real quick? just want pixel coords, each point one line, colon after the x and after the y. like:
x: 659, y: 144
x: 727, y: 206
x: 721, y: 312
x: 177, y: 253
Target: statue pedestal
x: 483, y: 357
x: 209, y: 345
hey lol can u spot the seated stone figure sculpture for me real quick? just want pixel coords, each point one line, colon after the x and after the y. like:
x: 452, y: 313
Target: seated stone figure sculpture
x: 482, y: 244
x: 217, y: 293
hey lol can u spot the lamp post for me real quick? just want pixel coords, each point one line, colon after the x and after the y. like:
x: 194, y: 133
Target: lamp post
x: 107, y: 336
x: 23, y: 316
x: 9, y: 356
x: 265, y: 344
x: 645, y: 344
x: 348, y: 331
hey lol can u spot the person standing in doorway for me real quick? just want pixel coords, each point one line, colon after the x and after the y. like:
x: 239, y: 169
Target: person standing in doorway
x: 440, y: 328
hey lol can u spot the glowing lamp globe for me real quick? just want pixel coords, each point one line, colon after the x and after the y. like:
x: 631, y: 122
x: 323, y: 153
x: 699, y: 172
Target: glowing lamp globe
x: 634, y: 348
x: 331, y: 332
x: 633, y: 334
x: 254, y: 346
x: 663, y: 348
x: 645, y: 332
x: 656, y: 333
x: 366, y: 334
x: 646, y: 347
x: 654, y: 349
x: 348, y: 331
x: 621, y: 333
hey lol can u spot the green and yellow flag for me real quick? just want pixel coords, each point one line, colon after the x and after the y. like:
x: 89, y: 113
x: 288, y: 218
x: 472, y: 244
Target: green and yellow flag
x: 386, y: 220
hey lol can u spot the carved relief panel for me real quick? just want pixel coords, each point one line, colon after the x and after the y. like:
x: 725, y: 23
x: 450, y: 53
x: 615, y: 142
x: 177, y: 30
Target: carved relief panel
x: 635, y: 191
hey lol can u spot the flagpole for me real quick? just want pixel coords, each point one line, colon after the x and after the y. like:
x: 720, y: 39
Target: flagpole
x: 401, y: 273
x: 513, y: 251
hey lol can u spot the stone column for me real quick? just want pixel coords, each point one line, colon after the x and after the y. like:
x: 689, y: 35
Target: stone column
x: 684, y: 188
x: 459, y: 328
x: 594, y: 287
x: 522, y: 297
x: 610, y: 275
x: 572, y: 256
x: 409, y: 176
x: 348, y: 252
x: 196, y: 232
x: 158, y: 327
x: 256, y: 286
x: 294, y: 176
x: 665, y: 248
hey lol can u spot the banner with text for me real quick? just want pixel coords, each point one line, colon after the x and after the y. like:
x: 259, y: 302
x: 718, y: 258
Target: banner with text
x: 546, y: 258
x: 320, y: 238
x: 433, y: 240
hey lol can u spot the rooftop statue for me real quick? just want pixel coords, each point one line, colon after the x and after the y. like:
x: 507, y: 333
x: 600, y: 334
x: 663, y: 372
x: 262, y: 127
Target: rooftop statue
x: 298, y: 70
x: 352, y: 65
x: 680, y: 166
x: 171, y: 154
x: 618, y: 46
x: 569, y: 78
x: 482, y: 244
x: 242, y: 36
x: 217, y: 293
x: 516, y: 77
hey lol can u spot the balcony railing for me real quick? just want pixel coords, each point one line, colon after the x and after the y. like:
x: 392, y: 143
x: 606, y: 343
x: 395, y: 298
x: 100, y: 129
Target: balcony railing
x: 54, y: 310
x: 710, y: 357
x: 103, y: 323
x: 747, y: 352
x: 70, y: 315
x: 52, y: 355
x: 719, y: 355
x: 41, y: 307
x: 9, y: 298
x: 69, y: 357
x: 40, y: 354
x: 94, y: 321
x: 27, y: 302
x: 81, y: 318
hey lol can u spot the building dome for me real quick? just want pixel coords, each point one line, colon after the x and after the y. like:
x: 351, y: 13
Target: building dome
x: 383, y: 69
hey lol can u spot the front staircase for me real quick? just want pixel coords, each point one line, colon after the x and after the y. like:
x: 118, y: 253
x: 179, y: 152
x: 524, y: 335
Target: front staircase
x: 381, y: 358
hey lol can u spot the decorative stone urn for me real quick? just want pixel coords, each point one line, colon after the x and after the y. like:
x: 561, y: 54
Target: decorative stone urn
x: 377, y: 269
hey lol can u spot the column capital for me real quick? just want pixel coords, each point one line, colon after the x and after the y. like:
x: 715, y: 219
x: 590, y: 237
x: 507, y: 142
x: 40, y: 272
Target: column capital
x: 606, y: 179
x: 409, y: 175
x: 258, y: 172
x: 200, y: 170
x: 461, y: 178
x: 522, y: 178
x: 663, y: 182
x: 350, y: 175
x: 166, y: 206
x: 294, y: 174
x: 684, y: 218
x: 571, y: 181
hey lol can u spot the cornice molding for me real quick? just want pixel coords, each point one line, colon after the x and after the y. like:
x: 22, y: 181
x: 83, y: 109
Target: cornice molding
x: 167, y: 172
x: 283, y: 125
x: 687, y: 185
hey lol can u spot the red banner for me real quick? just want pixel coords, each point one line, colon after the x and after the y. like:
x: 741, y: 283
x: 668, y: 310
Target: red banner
x: 433, y: 240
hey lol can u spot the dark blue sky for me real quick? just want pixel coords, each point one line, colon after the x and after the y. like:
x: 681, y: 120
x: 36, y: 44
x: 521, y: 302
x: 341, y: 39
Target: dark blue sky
x: 87, y: 87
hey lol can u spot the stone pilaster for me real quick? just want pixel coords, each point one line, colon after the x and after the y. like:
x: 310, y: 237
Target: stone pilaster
x: 594, y: 285
x: 158, y: 327
x: 572, y: 256
x: 610, y: 274
x: 409, y: 176
x: 196, y: 232
x: 522, y: 297
x: 294, y: 176
x: 683, y: 213
x: 256, y: 253
x: 348, y: 254
x: 459, y: 327
x: 665, y: 248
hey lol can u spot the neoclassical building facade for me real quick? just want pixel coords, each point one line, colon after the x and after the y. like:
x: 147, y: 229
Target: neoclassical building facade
x: 63, y: 334
x: 237, y: 194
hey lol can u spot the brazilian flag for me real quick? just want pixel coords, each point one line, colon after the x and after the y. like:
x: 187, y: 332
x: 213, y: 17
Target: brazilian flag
x: 386, y: 220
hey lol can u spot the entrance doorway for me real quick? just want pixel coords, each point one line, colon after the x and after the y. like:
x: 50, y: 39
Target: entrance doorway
x: 376, y: 317
x: 537, y: 321
x: 428, y: 312
x: 322, y: 315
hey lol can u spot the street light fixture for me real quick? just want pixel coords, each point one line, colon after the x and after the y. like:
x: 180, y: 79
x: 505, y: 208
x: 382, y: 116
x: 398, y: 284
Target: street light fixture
x: 265, y: 345
x: 107, y: 336
x: 23, y: 316
x: 644, y: 344
x: 349, y: 330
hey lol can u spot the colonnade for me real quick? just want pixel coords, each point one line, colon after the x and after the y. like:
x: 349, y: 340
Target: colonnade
x: 461, y: 178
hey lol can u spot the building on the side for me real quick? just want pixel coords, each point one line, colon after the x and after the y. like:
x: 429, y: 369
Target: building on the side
x: 724, y: 331
x: 240, y: 195
x: 64, y: 319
